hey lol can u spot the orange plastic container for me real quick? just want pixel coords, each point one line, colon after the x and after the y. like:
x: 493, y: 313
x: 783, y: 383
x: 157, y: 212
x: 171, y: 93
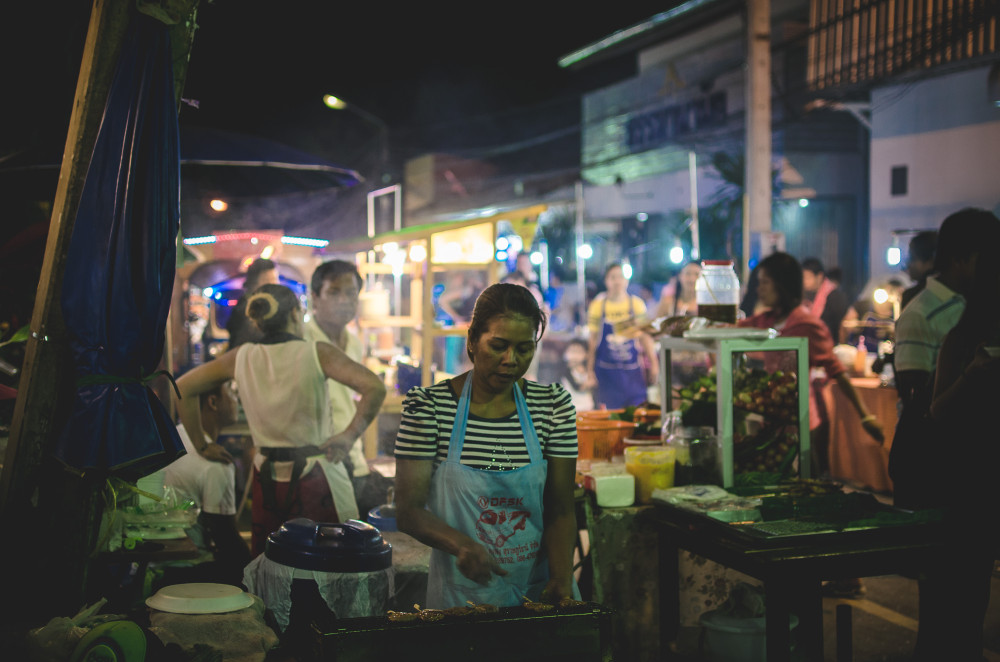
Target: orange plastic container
x: 601, y: 438
x: 598, y: 414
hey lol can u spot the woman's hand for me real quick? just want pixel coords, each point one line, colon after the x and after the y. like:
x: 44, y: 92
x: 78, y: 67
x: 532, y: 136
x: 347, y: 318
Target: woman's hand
x: 591, y: 381
x: 216, y: 453
x: 476, y: 563
x: 555, y: 590
x: 338, y: 446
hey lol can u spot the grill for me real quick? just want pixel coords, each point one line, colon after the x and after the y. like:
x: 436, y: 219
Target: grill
x: 576, y: 634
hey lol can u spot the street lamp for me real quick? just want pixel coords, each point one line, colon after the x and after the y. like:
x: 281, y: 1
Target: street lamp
x: 337, y: 103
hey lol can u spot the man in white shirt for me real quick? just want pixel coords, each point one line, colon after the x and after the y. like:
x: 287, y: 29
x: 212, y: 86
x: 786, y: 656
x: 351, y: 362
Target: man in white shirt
x: 207, y: 477
x: 335, y: 287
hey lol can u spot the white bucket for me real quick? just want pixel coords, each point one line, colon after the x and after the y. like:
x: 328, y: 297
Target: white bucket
x: 730, y: 639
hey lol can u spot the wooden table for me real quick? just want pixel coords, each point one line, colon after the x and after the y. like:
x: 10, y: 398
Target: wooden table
x: 792, y: 569
x: 854, y: 456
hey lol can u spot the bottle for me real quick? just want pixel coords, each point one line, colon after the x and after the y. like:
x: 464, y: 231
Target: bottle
x: 860, y: 357
x: 717, y: 291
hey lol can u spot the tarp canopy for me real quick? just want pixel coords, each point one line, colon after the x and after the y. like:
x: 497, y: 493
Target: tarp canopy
x: 120, y: 269
x: 227, y: 163
x: 213, y: 162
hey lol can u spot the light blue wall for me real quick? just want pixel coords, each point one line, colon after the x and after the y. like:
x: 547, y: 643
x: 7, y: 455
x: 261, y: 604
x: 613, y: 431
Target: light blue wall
x: 946, y: 102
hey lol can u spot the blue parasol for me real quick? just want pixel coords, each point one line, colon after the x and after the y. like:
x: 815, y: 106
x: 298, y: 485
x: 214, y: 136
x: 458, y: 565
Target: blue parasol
x: 120, y: 269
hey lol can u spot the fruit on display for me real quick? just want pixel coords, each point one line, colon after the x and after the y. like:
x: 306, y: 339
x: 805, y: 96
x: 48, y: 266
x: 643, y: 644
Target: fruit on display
x: 765, y: 416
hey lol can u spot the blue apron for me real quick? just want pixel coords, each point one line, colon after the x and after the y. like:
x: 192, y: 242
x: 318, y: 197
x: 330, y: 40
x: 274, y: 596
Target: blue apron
x: 502, y: 510
x: 620, y: 382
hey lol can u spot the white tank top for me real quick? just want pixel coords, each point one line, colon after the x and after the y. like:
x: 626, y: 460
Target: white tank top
x: 283, y: 391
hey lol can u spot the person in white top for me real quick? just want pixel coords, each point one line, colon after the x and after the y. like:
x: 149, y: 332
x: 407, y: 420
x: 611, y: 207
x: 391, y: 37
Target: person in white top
x: 211, y: 484
x: 282, y: 383
x: 335, y: 287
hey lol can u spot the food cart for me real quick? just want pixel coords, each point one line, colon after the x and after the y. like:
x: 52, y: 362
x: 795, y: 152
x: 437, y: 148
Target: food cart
x: 402, y: 330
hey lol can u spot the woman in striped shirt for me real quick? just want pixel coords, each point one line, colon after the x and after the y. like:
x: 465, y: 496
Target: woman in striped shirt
x: 485, y: 467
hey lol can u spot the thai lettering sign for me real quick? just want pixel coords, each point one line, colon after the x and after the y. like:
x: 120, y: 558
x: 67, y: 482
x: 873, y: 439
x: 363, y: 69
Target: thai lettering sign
x: 663, y: 125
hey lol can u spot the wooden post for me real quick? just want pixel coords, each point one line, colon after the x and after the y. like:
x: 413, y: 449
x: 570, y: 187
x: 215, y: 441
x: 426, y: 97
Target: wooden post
x: 44, y: 370
x: 45, y: 505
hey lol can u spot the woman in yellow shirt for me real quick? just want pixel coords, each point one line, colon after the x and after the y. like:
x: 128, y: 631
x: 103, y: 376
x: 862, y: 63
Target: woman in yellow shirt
x: 615, y: 362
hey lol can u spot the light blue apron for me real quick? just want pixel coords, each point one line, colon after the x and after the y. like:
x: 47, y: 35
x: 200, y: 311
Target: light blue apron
x: 502, y: 510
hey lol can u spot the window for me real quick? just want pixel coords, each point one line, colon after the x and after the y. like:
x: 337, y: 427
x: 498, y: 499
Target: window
x: 899, y: 180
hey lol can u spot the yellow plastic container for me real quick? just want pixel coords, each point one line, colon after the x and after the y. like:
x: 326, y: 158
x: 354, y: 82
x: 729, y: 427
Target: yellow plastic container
x: 653, y: 468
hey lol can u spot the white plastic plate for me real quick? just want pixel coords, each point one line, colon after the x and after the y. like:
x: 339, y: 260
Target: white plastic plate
x: 200, y: 599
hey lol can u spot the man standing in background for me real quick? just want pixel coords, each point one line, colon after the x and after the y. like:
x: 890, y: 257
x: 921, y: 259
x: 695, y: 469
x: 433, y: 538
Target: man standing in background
x: 239, y: 326
x: 920, y: 263
x: 823, y: 297
x: 336, y: 286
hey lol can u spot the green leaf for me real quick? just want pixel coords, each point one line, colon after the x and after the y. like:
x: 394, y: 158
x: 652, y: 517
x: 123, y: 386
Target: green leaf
x: 21, y: 335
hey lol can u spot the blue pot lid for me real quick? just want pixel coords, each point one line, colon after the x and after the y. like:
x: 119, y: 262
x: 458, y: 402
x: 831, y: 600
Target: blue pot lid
x: 351, y: 546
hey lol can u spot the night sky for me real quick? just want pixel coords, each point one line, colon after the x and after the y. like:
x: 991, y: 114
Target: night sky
x: 443, y: 76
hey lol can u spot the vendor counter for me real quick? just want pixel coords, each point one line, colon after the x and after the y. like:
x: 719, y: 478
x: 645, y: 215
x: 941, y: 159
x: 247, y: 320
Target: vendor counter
x: 854, y: 456
x: 659, y: 567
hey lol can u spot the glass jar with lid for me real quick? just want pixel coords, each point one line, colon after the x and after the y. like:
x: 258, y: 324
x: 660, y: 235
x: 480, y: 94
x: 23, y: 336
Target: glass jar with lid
x: 697, y: 456
x: 717, y: 291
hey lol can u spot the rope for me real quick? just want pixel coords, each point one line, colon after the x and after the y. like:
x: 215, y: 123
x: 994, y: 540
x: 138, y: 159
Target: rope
x: 95, y: 379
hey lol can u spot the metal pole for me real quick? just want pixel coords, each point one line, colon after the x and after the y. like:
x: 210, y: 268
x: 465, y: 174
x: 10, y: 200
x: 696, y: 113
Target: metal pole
x: 695, y: 231
x: 758, y: 128
x: 581, y: 280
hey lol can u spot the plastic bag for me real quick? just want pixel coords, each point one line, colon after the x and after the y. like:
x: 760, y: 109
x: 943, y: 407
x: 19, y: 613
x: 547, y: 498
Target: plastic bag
x: 56, y: 640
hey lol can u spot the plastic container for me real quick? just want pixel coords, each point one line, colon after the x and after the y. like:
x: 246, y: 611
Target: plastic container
x: 653, y: 468
x: 601, y: 439
x: 717, y: 291
x: 598, y: 414
x: 733, y: 639
x: 383, y: 517
x: 611, y: 484
x: 347, y: 562
x: 351, y: 546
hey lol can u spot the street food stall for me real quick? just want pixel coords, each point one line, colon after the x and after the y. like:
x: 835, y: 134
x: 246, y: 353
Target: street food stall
x: 403, y: 330
x: 754, y: 510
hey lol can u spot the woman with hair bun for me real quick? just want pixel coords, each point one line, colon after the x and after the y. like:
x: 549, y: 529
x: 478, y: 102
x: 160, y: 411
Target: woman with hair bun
x: 281, y: 381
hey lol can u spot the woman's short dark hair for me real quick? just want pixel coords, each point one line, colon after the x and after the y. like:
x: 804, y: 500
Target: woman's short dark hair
x: 786, y: 273
x: 613, y: 265
x: 499, y: 300
x: 270, y: 306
